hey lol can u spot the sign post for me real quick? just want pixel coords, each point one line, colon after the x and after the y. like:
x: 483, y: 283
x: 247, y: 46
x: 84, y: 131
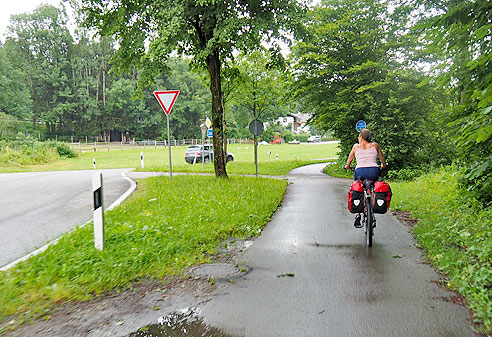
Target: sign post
x: 166, y: 100
x: 210, y: 134
x: 204, y: 131
x: 256, y: 128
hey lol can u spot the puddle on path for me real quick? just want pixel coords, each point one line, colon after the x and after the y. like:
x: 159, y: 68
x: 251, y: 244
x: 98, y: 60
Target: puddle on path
x: 180, y: 324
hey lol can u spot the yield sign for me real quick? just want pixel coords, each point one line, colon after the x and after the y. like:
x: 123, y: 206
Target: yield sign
x: 166, y: 99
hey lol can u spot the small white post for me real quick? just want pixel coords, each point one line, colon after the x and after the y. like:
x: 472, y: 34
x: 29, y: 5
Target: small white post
x: 276, y: 156
x: 155, y: 143
x: 97, y: 189
x: 141, y: 159
x: 269, y: 153
x: 94, y: 162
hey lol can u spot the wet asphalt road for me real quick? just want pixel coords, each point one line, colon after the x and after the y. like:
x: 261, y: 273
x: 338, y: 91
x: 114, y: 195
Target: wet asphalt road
x: 38, y: 207
x: 340, y: 287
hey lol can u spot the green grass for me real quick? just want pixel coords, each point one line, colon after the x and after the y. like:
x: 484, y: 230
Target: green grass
x: 164, y: 227
x: 455, y: 231
x: 290, y: 156
x: 337, y: 170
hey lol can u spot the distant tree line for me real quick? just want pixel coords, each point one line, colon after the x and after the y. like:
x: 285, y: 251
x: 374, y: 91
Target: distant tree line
x: 66, y: 86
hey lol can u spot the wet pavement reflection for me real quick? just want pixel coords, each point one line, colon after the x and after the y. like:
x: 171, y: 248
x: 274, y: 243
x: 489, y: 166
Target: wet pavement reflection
x: 183, y: 323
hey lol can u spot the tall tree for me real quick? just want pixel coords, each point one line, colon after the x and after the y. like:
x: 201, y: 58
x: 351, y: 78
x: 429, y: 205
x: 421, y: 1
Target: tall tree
x: 459, y: 35
x: 43, y: 44
x: 347, y: 71
x: 15, y: 99
x: 261, y: 86
x: 149, y: 31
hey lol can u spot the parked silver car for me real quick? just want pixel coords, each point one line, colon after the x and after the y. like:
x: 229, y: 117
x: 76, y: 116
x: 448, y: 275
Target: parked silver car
x: 314, y: 139
x: 195, y: 153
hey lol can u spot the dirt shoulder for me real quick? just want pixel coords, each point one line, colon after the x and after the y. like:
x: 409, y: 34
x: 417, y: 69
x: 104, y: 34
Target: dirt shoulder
x: 120, y: 314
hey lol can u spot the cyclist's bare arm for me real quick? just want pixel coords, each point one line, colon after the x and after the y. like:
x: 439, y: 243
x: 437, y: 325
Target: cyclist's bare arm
x: 380, y: 155
x: 351, y: 157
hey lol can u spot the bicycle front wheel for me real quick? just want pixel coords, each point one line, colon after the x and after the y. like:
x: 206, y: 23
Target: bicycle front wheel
x: 370, y: 220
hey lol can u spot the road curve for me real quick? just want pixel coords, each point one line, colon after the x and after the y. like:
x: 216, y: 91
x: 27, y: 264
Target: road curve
x: 38, y: 207
x: 340, y: 287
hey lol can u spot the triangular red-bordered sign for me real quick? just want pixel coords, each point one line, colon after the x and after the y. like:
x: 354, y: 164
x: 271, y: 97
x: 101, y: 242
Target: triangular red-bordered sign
x: 166, y: 99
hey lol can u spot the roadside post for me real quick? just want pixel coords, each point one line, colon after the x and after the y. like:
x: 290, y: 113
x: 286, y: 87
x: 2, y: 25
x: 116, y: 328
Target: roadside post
x: 204, y: 132
x: 256, y: 128
x: 97, y: 190
x: 166, y: 100
x: 210, y: 133
x: 94, y: 163
x: 276, y: 156
x: 141, y: 159
x: 269, y: 153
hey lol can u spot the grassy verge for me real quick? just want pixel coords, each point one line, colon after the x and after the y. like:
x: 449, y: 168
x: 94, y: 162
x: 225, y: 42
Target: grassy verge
x: 164, y: 227
x: 15, y: 155
x: 158, y: 159
x: 455, y: 232
x: 337, y: 170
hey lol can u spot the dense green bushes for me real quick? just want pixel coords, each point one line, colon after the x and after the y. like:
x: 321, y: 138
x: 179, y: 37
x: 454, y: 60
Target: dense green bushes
x: 28, y: 151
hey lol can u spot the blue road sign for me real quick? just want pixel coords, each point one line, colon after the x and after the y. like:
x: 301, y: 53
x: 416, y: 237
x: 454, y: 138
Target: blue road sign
x: 360, y: 125
x: 209, y: 133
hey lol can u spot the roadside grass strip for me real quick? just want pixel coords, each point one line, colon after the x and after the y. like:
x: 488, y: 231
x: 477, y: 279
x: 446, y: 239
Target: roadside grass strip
x: 455, y: 231
x: 162, y: 228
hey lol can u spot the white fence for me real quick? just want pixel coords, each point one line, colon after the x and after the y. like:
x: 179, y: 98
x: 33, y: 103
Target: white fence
x: 107, y: 146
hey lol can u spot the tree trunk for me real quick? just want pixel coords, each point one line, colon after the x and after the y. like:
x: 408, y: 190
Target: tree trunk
x: 213, y: 64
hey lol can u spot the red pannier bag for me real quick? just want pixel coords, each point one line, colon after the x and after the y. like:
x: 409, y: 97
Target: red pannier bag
x: 382, y: 197
x: 355, y: 197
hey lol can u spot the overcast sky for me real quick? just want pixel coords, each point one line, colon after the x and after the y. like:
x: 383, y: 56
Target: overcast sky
x: 9, y: 7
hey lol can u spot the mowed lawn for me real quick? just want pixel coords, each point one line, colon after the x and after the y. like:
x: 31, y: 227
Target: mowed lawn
x: 289, y: 157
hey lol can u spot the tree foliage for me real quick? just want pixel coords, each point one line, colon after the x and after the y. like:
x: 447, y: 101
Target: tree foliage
x: 459, y: 38
x: 208, y: 30
x: 347, y: 70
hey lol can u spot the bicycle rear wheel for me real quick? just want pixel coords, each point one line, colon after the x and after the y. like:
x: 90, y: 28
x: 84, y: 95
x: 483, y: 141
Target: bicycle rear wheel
x: 369, y: 229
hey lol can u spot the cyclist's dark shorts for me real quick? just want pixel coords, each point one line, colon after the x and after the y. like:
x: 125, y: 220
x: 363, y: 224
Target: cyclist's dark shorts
x: 371, y: 173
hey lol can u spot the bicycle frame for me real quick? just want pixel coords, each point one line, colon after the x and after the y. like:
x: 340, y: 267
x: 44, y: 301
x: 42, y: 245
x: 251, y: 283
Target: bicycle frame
x: 368, y: 220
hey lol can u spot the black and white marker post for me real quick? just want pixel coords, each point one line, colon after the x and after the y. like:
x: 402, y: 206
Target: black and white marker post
x: 141, y: 159
x: 97, y: 190
x: 166, y: 100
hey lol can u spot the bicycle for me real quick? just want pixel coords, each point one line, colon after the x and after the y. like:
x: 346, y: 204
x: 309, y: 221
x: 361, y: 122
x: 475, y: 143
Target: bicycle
x: 368, y: 219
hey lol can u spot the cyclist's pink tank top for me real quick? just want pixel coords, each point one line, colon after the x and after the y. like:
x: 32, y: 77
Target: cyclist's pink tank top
x: 366, y: 157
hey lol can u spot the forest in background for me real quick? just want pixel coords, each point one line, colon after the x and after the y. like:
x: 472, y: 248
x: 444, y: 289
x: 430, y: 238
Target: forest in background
x: 55, y: 84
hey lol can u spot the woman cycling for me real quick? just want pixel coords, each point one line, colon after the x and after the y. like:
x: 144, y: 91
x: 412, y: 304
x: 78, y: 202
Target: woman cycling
x: 366, y: 154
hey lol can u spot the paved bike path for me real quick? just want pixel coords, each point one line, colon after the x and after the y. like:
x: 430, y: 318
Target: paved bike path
x: 340, y: 287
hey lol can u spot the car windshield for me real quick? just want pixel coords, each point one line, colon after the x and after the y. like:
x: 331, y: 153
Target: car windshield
x: 194, y: 148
